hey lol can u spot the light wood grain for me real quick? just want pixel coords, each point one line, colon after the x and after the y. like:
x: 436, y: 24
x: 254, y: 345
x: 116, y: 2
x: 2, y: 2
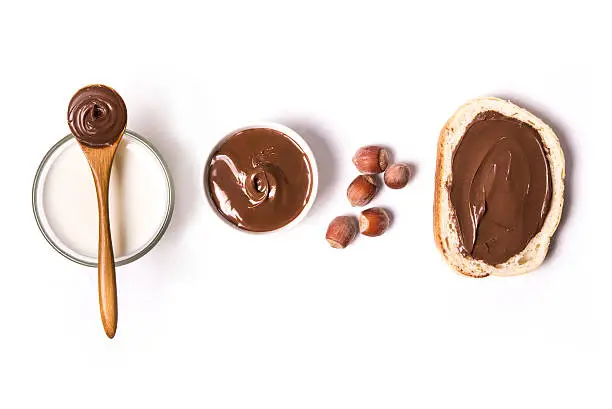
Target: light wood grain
x: 100, y: 161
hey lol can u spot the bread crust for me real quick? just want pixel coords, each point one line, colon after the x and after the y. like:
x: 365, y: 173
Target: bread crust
x: 446, y: 235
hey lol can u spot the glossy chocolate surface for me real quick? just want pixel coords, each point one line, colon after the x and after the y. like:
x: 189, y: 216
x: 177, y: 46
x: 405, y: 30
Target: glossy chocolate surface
x: 501, y: 187
x: 259, y: 179
x: 97, y: 116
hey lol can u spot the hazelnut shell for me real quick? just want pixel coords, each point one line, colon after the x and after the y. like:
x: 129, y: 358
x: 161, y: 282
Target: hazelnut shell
x: 341, y: 231
x: 362, y: 190
x: 371, y: 159
x: 397, y: 175
x: 374, y: 221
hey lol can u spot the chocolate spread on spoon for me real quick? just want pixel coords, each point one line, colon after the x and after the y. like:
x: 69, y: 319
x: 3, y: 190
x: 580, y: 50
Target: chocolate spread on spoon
x: 97, y: 116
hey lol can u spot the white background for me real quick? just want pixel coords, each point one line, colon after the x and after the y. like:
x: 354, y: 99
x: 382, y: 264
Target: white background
x: 213, y: 318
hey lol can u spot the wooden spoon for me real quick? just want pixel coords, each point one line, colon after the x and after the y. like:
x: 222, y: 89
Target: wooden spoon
x: 97, y: 117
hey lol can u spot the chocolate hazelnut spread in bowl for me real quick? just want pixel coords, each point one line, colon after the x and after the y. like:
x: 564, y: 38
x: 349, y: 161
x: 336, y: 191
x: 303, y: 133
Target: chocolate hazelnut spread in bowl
x: 261, y: 178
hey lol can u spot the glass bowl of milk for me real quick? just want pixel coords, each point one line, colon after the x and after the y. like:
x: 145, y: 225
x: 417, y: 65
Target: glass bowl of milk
x: 141, y: 200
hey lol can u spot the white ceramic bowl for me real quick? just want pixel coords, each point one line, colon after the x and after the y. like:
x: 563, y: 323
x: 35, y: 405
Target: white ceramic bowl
x: 305, y: 148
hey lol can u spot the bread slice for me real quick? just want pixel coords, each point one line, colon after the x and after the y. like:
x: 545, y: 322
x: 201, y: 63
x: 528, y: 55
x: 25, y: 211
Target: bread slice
x: 445, y: 231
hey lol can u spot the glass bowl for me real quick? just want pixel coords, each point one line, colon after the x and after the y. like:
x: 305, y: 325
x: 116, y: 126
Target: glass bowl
x: 51, y: 229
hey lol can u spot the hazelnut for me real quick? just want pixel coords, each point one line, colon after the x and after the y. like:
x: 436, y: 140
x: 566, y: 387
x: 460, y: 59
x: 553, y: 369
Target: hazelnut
x: 371, y: 159
x: 361, y: 190
x: 374, y: 221
x: 396, y: 175
x: 341, y: 231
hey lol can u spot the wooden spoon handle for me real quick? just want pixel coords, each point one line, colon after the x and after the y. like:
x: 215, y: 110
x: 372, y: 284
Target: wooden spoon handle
x: 107, y: 285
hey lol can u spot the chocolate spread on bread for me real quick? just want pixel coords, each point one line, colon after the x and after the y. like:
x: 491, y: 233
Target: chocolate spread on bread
x: 501, y: 187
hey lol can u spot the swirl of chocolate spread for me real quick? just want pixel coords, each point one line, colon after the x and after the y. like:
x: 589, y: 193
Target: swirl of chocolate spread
x: 501, y: 187
x: 97, y: 116
x: 259, y: 179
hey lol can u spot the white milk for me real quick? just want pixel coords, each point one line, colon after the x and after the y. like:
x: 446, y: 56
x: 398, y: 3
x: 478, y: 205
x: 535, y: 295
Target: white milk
x: 138, y: 199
